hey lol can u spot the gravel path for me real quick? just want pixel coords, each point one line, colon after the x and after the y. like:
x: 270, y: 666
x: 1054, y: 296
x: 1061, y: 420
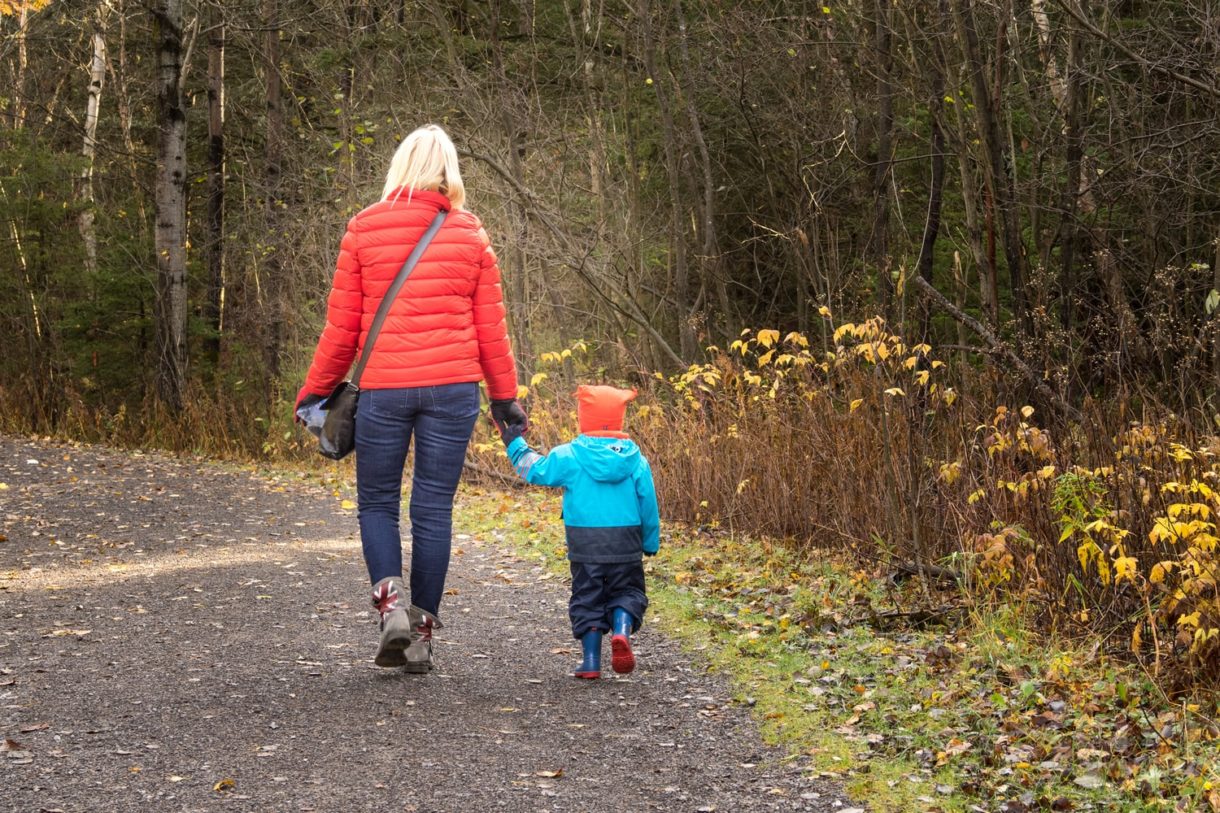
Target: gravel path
x: 181, y: 636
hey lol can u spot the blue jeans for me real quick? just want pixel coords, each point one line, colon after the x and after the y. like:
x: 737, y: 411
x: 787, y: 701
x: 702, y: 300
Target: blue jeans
x: 442, y: 419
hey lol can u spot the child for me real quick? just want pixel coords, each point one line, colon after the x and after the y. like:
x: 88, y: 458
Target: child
x: 610, y: 519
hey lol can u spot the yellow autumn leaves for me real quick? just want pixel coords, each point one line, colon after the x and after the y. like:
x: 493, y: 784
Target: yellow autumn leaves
x: 15, y: 7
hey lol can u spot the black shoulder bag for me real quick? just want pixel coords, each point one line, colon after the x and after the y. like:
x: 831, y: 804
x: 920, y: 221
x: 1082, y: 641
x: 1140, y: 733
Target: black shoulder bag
x: 338, y: 436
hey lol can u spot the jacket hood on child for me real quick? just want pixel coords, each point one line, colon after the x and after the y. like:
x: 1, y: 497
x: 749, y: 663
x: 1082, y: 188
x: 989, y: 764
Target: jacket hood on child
x: 606, y: 460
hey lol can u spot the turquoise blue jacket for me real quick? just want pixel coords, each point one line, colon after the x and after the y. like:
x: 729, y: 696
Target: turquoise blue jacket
x: 609, y: 501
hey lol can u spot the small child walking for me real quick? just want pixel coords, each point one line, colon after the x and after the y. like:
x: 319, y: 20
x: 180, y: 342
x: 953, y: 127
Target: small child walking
x: 610, y: 521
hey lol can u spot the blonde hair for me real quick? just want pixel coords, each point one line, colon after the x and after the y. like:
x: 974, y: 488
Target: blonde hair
x: 426, y: 159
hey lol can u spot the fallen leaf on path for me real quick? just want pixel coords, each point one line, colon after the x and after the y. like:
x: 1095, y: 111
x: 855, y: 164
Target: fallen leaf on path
x: 223, y: 785
x: 347, y: 505
x: 64, y: 633
x: 10, y: 745
x: 35, y: 727
x: 550, y: 774
x: 562, y: 650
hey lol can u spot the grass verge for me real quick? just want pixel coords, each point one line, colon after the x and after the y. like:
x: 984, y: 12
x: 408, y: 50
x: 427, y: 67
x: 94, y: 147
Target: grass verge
x: 972, y: 711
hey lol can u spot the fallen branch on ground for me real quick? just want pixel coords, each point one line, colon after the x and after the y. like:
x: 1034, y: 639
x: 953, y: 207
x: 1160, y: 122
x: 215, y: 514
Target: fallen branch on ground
x: 484, y: 471
x: 904, y: 570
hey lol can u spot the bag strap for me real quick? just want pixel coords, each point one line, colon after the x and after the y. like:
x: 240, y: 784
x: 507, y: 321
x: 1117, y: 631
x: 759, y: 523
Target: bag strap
x: 387, y: 301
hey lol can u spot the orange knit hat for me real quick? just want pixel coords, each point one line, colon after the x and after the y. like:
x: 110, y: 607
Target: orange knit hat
x: 601, y: 409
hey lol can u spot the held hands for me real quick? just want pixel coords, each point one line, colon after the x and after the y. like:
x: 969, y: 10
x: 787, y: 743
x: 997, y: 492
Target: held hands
x: 510, y: 419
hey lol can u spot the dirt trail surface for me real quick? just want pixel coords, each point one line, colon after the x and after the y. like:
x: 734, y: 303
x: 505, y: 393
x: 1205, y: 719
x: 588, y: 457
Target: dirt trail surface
x: 183, y: 636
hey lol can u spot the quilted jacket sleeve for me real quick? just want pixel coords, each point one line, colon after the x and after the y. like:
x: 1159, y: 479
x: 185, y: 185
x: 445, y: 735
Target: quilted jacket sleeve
x: 553, y: 469
x: 341, y: 335
x: 495, y: 351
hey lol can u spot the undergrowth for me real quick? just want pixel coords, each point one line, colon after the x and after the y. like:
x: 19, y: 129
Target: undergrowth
x: 860, y: 443
x: 857, y: 441
x: 973, y: 710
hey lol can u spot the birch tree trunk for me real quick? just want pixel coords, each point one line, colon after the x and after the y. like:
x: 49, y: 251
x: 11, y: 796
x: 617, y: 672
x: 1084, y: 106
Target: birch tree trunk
x: 97, y: 76
x: 23, y: 61
x: 169, y: 239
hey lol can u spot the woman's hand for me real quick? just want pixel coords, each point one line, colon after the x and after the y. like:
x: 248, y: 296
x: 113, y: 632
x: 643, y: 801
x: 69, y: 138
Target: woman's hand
x: 304, y: 401
x: 510, y: 419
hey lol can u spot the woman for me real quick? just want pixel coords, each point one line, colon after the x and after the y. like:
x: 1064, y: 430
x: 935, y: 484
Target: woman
x: 445, y: 332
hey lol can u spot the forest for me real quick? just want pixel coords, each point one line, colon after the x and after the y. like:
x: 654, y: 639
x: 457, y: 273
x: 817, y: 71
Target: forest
x: 657, y: 177
x: 933, y: 284
x: 929, y: 289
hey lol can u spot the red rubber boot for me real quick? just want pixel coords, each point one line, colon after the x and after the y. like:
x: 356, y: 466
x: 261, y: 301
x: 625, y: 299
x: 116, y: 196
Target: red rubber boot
x: 622, y: 659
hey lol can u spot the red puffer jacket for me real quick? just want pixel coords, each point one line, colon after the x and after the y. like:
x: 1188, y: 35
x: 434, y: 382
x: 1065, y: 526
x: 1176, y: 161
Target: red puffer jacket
x: 447, y: 323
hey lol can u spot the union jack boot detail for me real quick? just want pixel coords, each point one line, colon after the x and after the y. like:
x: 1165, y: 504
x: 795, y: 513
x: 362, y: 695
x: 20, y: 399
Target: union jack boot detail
x: 419, y: 653
x: 396, y: 634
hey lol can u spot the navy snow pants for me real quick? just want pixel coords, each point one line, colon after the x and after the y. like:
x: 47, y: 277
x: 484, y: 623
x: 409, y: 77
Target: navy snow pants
x: 598, y: 588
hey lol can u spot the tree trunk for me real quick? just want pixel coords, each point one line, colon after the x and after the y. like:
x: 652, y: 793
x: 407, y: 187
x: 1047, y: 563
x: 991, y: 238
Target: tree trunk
x: 273, y: 205
x: 677, y: 236
x: 713, y: 270
x: 516, y: 271
x: 1070, y: 105
x: 122, y: 98
x: 987, y: 116
x: 97, y: 75
x: 19, y: 104
x: 879, y: 247
x: 1215, y: 382
x: 170, y: 234
x: 214, y: 313
x: 988, y: 293
x: 936, y: 184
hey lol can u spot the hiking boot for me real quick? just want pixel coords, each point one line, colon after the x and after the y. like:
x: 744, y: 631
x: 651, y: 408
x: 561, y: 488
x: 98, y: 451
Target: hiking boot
x: 396, y: 634
x: 419, y: 653
x: 591, y: 667
x: 622, y: 659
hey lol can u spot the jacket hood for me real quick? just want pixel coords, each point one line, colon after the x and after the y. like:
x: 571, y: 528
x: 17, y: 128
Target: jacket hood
x: 607, y: 460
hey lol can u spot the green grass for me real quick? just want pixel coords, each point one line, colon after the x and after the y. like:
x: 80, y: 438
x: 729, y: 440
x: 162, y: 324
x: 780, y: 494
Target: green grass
x: 982, y: 712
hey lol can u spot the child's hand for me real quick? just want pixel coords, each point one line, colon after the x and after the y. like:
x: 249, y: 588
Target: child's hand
x: 509, y: 433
